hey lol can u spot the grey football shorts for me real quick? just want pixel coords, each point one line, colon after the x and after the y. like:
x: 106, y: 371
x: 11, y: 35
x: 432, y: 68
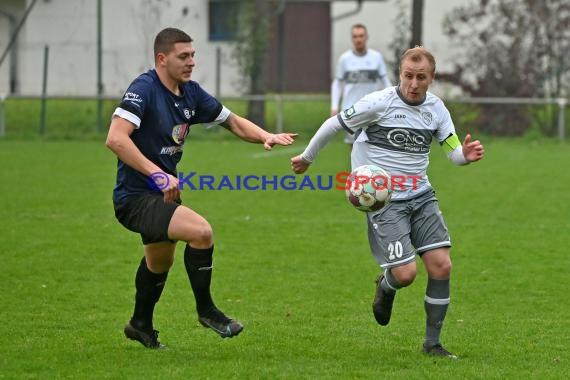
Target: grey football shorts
x: 403, y: 228
x: 148, y: 215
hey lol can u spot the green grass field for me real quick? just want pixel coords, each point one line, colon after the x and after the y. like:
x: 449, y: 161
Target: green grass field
x: 293, y: 266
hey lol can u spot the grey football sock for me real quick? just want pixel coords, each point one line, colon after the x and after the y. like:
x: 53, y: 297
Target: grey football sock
x: 389, y: 283
x: 436, y: 302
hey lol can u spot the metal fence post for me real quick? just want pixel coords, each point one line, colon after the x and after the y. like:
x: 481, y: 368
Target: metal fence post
x: 99, y: 67
x: 218, y: 72
x: 561, y: 118
x: 279, y: 113
x: 2, y: 117
x: 44, y: 92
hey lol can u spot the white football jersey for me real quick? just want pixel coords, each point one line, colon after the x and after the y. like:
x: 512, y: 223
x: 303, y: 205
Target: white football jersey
x: 359, y: 75
x: 397, y: 136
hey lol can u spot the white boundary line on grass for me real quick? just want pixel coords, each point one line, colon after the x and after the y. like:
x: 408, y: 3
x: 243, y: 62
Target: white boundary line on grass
x: 278, y: 152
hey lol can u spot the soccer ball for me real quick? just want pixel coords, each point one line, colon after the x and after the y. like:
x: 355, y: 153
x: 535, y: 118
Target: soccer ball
x: 368, y: 188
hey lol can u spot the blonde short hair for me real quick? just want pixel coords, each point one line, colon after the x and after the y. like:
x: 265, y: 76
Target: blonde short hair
x: 416, y: 54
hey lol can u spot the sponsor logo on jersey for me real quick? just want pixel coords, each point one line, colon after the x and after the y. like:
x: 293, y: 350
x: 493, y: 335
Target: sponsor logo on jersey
x: 427, y: 117
x: 408, y: 140
x: 400, y: 139
x: 348, y: 113
x: 171, y: 150
x: 133, y: 98
x: 361, y: 76
x: 396, y: 116
x: 179, y: 133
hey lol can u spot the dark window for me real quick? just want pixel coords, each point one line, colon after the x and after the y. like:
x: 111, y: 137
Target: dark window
x: 223, y: 19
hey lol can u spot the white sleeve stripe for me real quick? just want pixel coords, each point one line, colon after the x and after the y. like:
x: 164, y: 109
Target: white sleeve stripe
x: 124, y: 114
x: 223, y: 116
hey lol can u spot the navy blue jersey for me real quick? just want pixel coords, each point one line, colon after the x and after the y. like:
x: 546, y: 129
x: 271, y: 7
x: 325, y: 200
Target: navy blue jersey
x: 162, y: 121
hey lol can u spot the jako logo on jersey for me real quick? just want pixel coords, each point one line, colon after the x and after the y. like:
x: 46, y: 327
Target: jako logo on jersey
x: 402, y: 137
x: 179, y: 133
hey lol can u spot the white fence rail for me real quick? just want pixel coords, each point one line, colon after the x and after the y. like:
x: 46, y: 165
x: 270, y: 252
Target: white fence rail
x: 281, y: 99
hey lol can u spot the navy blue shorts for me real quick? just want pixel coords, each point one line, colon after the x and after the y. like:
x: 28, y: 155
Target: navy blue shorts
x: 147, y: 215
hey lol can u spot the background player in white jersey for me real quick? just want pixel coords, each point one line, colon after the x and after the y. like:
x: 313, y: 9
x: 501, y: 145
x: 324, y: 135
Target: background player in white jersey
x: 359, y: 72
x: 147, y: 134
x: 398, y: 124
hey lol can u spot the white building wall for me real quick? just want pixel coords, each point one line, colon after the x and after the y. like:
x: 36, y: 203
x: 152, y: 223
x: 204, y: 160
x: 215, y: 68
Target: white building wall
x: 10, y: 9
x: 68, y: 28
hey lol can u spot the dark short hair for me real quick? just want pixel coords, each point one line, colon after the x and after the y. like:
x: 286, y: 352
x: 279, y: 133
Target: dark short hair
x: 166, y: 38
x: 416, y: 54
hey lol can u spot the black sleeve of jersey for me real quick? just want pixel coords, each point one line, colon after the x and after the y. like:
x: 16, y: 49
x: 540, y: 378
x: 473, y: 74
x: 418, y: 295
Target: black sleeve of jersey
x: 137, y: 96
x: 128, y: 106
x: 209, y: 108
x: 217, y: 111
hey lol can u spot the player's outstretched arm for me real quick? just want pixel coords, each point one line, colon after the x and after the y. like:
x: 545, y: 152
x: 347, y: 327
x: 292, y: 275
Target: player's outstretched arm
x: 472, y: 150
x: 250, y: 132
x: 326, y: 132
x: 299, y: 165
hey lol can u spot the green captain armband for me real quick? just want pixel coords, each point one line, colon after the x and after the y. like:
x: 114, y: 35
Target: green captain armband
x: 450, y: 143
